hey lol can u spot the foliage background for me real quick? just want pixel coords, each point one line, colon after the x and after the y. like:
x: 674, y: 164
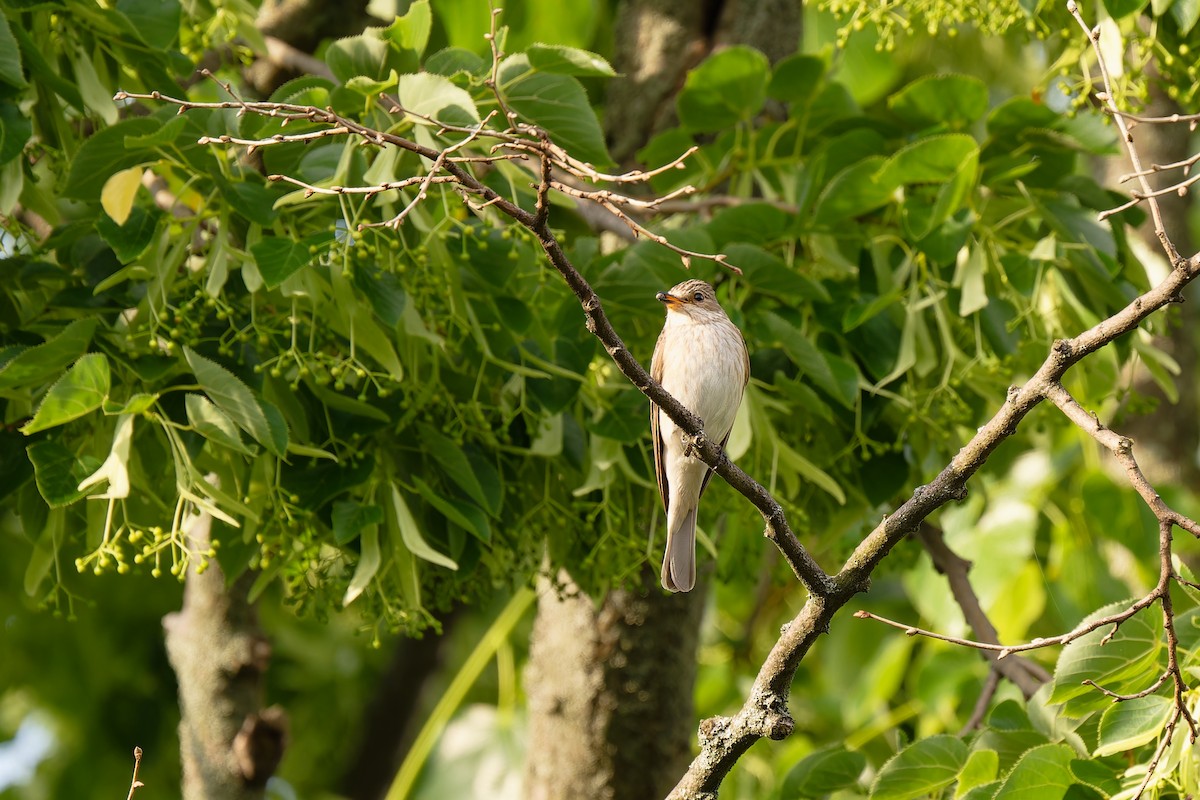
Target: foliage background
x: 915, y: 223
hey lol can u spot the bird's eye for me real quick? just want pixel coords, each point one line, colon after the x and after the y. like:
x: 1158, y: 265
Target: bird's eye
x: 698, y: 296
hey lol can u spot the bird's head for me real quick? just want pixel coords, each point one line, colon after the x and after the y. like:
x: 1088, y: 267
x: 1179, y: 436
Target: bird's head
x: 693, y: 300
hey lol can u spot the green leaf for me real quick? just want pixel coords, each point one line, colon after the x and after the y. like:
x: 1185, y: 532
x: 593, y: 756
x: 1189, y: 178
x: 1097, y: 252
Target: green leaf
x: 934, y: 159
x: 213, y: 424
x: 58, y: 472
x: 410, y: 533
x: 791, y: 459
x: 96, y: 96
x: 350, y: 519
x: 814, y: 363
x: 1132, y: 723
x: 369, y: 560
x: 15, y: 131
x: 969, y: 278
x: 156, y: 23
x: 45, y: 549
x: 43, y: 71
x: 105, y: 153
x: 252, y: 200
x: 922, y: 768
x: 278, y: 428
x: 796, y: 78
x: 454, y: 463
x: 130, y: 239
x: 435, y: 97
x: 556, y: 103
x: 318, y: 484
x: 411, y: 31
x: 10, y: 57
x: 137, y: 403
x: 34, y: 365
x: 771, y: 275
x: 952, y: 100
x: 80, y: 391
x: 1186, y: 13
x: 1123, y: 8
x: 454, y: 60
x: 232, y: 397
x: 169, y: 134
x: 854, y: 191
x: 726, y: 88
x: 982, y: 767
x: 465, y: 515
x: 823, y: 772
x: 1043, y: 773
x: 564, y: 60
x: 278, y: 258
x: 358, y: 55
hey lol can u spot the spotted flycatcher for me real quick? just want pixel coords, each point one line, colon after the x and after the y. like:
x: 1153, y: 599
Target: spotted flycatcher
x: 701, y: 360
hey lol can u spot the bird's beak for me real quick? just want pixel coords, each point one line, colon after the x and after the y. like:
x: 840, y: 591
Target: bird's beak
x: 669, y: 300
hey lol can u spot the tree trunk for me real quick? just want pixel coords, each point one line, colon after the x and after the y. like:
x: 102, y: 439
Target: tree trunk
x: 658, y: 41
x: 610, y: 687
x: 610, y: 692
x: 229, y: 744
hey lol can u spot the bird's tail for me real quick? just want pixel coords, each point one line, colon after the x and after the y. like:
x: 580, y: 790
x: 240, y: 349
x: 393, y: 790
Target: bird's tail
x: 679, y: 562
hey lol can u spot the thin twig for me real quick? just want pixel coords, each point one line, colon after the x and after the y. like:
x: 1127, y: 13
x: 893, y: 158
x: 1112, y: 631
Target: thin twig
x: 984, y: 701
x: 135, y: 784
x: 1135, y: 160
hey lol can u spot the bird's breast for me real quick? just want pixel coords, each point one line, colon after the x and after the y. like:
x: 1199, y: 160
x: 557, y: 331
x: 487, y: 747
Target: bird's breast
x: 705, y: 369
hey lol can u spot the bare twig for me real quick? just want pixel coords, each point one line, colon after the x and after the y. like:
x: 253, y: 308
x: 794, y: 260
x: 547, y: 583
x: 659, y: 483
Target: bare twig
x: 1135, y: 160
x: 135, y: 784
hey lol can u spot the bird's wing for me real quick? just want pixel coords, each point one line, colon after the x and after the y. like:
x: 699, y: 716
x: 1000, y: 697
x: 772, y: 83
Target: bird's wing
x: 709, y: 473
x: 660, y: 468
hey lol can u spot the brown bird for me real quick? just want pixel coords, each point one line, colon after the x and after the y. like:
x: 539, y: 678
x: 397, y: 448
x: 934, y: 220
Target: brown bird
x: 701, y: 360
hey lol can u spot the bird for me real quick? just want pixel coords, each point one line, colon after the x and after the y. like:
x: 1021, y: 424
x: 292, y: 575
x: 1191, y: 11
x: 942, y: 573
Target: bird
x: 702, y: 361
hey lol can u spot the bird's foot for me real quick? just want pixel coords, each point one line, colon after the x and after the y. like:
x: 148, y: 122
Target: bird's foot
x: 692, y: 444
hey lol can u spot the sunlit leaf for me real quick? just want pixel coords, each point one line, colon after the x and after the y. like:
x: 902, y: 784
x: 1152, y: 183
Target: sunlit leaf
x: 80, y: 391
x: 1132, y: 723
x: 34, y: 365
x: 565, y: 60
x: 116, y: 198
x: 1044, y: 772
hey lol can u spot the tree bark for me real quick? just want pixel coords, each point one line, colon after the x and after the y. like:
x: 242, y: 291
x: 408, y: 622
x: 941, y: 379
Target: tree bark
x: 229, y: 744
x: 610, y: 691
